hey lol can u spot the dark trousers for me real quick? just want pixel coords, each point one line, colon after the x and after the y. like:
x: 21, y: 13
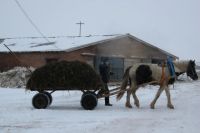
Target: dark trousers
x: 107, y: 101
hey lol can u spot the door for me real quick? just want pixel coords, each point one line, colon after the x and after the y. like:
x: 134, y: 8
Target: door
x: 116, y: 66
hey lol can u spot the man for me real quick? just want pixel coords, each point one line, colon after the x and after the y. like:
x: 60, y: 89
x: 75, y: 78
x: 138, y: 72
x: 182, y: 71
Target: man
x: 105, y: 76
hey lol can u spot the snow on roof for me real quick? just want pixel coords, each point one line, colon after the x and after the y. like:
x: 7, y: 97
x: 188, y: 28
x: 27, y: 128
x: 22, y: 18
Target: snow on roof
x: 52, y: 44
x: 63, y: 43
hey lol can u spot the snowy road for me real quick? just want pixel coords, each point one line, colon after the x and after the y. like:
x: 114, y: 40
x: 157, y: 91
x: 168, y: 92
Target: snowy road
x: 66, y: 115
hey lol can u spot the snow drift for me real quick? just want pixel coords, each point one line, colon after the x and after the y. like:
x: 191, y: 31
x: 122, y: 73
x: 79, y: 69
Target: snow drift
x: 16, y: 77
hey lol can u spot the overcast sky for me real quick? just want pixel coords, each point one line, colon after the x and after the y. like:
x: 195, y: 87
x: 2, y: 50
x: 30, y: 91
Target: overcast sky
x: 172, y: 25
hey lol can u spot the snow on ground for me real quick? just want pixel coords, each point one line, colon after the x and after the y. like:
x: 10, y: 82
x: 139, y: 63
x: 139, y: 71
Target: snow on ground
x: 66, y: 115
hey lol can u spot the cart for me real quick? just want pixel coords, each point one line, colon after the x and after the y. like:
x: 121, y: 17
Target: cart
x: 67, y: 76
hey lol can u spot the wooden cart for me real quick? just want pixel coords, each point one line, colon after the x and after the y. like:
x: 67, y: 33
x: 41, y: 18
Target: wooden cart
x: 89, y: 98
x: 56, y: 77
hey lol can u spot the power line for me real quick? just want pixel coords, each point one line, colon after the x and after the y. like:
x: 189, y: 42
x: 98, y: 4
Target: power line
x: 12, y: 53
x: 30, y: 20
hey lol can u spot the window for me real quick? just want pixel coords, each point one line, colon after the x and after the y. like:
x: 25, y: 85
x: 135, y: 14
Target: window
x: 157, y: 61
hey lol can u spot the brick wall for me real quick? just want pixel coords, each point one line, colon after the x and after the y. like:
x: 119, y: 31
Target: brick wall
x: 37, y: 59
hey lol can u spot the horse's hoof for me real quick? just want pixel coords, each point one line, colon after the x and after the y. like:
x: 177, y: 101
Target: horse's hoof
x: 152, y: 106
x: 137, y: 105
x: 170, y: 106
x: 128, y: 105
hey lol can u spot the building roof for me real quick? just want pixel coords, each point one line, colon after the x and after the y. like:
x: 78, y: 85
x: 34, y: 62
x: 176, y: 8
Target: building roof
x: 36, y: 44
x: 67, y: 43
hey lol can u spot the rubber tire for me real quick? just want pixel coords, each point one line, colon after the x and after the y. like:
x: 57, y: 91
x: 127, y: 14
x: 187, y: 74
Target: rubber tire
x: 88, y: 92
x: 50, y: 97
x: 89, y: 100
x: 40, y: 101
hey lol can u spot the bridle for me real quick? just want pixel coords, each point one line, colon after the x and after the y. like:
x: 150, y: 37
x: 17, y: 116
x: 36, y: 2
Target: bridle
x: 191, y: 70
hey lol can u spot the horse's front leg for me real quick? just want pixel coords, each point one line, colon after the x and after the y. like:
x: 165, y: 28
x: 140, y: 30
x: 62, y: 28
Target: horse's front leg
x: 128, y: 104
x: 169, y: 103
x: 152, y: 105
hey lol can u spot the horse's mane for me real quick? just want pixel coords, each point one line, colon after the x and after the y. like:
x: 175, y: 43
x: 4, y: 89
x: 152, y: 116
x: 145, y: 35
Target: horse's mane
x: 181, y: 61
x: 181, y: 66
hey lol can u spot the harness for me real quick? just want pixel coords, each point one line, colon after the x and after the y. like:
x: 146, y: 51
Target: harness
x: 171, y: 69
x: 162, y: 79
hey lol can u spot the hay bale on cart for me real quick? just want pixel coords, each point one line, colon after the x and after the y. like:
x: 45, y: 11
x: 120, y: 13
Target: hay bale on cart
x: 65, y: 75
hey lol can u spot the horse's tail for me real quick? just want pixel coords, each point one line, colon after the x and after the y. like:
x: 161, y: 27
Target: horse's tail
x: 124, y: 83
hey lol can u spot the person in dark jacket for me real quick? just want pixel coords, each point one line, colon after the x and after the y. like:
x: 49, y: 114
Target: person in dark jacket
x: 104, y: 71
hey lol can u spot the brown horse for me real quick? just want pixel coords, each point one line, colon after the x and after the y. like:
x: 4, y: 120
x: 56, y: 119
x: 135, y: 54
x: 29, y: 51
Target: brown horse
x: 144, y: 74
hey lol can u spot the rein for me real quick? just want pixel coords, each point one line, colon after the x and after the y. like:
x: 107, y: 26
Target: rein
x: 163, y: 76
x: 162, y: 79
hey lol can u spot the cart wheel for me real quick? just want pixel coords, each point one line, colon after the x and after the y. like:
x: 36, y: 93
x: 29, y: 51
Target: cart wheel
x: 49, y: 96
x: 40, y: 101
x: 89, y: 100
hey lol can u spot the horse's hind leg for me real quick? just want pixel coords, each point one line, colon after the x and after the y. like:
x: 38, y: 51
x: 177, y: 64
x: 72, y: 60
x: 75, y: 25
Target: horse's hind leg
x: 169, y: 103
x: 136, y: 101
x: 152, y: 105
x: 128, y: 104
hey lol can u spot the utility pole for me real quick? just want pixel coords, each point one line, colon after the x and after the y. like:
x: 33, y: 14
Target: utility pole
x: 80, y: 23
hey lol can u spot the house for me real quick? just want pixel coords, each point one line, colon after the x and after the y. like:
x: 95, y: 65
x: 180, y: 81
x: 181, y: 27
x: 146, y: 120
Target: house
x: 120, y: 50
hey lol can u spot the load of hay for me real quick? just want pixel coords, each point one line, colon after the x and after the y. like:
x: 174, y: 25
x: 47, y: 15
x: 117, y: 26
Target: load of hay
x: 64, y: 75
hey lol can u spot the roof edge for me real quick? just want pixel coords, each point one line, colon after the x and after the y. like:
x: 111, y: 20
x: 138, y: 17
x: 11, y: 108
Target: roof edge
x: 150, y: 45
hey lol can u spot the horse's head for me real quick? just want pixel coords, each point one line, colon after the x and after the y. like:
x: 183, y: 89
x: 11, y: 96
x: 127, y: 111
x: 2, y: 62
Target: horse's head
x: 191, y: 71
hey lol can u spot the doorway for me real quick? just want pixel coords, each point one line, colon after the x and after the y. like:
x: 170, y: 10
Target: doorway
x: 116, y: 66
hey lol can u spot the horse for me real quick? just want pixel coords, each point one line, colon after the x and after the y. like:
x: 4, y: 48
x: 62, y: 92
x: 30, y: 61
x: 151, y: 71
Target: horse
x: 144, y: 73
x: 187, y: 67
